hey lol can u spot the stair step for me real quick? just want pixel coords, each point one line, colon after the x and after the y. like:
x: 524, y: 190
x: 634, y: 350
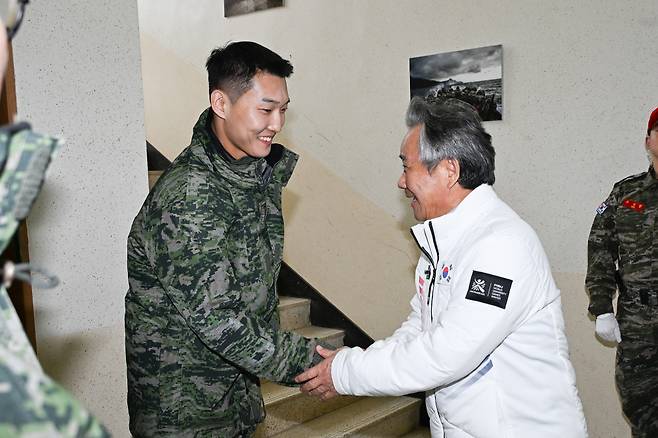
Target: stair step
x: 294, y: 312
x: 287, y: 407
x: 329, y: 336
x: 368, y: 417
x: 419, y: 432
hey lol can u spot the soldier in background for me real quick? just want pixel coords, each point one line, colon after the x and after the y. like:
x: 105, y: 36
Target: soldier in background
x: 204, y: 255
x: 31, y: 403
x: 623, y: 255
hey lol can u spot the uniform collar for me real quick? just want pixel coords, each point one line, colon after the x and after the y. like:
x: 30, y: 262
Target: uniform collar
x: 442, y: 233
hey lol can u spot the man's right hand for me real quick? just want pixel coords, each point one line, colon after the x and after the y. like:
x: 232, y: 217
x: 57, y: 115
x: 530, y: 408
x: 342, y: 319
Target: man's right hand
x: 607, y: 328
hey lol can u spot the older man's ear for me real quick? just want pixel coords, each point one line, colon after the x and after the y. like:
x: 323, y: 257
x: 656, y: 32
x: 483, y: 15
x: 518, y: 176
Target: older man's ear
x: 453, y: 172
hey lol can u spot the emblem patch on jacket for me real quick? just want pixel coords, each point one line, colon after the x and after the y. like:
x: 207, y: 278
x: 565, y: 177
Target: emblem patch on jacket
x: 602, y: 208
x: 489, y: 289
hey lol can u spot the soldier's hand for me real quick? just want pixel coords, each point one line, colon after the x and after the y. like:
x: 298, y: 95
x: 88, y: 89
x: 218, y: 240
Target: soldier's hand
x: 317, y: 380
x: 607, y: 328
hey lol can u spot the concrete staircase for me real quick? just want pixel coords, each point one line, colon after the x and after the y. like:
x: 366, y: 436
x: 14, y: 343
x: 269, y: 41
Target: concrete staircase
x: 291, y: 414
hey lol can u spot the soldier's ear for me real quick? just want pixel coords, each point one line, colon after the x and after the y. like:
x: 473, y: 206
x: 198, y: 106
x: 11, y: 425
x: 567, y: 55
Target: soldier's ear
x: 219, y: 103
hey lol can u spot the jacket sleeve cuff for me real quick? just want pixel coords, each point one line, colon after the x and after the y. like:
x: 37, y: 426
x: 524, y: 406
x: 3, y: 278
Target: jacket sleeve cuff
x: 599, y: 307
x: 337, y: 372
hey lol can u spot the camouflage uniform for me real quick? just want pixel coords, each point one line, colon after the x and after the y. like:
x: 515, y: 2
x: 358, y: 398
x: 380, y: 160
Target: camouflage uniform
x: 204, y: 254
x: 624, y: 235
x: 31, y: 404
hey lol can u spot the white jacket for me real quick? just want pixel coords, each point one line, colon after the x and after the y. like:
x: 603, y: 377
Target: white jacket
x: 485, y: 338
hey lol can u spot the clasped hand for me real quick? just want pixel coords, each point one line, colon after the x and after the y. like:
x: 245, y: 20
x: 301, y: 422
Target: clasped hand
x: 316, y: 381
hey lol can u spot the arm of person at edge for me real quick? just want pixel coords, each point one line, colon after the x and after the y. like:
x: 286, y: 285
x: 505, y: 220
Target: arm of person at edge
x: 465, y: 334
x: 319, y: 377
x: 199, y: 279
x: 602, y: 254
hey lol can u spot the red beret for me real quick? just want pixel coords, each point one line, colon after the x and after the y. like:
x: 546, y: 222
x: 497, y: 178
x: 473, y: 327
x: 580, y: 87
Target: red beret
x: 653, y: 119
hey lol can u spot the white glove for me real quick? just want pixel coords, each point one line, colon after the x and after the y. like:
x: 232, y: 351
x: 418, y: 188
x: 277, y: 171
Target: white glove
x: 607, y: 328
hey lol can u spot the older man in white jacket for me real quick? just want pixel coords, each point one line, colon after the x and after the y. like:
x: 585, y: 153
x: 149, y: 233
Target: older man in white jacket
x: 485, y: 338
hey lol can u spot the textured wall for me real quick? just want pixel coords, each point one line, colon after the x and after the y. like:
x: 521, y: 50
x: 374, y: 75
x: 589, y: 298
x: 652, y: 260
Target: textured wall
x: 78, y: 76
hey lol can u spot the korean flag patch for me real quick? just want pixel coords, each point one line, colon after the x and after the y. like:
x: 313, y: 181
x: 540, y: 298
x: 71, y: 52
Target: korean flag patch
x: 489, y: 289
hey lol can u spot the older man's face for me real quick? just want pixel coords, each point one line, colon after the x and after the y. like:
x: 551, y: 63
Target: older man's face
x: 427, y: 190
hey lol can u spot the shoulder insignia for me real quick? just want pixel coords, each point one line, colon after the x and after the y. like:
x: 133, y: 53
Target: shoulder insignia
x: 601, y: 208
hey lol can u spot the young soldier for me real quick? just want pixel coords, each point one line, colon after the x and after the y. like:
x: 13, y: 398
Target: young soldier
x: 204, y: 254
x: 622, y: 255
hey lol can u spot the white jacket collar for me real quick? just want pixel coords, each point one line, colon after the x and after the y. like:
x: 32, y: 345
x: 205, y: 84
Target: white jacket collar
x: 444, y: 231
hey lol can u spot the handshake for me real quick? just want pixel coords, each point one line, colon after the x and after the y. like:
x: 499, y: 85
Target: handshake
x: 316, y: 381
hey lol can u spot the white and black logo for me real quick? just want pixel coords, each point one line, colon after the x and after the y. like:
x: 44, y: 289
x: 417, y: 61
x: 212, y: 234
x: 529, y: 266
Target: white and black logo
x: 489, y: 289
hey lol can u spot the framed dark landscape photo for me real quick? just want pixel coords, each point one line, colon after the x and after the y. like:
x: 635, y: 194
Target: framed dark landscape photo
x: 474, y: 76
x: 239, y: 7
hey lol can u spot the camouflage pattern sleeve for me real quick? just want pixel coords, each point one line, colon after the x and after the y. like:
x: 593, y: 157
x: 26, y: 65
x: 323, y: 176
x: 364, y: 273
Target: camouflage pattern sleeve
x: 602, y: 255
x: 201, y: 268
x: 32, y: 404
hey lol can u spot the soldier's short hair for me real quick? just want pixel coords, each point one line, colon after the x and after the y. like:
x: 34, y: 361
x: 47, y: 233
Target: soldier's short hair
x: 231, y: 68
x: 452, y: 129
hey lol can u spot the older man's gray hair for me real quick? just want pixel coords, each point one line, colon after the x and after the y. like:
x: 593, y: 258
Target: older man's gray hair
x: 452, y: 129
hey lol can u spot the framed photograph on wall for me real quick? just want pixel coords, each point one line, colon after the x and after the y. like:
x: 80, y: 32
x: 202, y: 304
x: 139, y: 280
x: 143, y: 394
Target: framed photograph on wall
x: 474, y: 76
x: 239, y: 7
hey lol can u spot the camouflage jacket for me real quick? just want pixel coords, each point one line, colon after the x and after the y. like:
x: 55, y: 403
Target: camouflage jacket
x: 623, y: 237
x: 31, y: 404
x: 202, y: 326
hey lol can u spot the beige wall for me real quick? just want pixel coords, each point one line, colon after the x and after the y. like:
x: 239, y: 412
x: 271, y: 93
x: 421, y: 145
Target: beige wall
x: 78, y: 76
x: 594, y: 363
x: 579, y: 80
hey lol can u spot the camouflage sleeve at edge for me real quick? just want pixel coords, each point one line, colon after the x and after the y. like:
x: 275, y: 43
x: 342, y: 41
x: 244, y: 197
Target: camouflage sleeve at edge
x: 601, y: 259
x: 199, y: 280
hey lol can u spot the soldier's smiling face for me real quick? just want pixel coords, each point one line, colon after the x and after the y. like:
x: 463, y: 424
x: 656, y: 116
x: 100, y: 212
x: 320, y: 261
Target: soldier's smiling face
x: 250, y: 123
